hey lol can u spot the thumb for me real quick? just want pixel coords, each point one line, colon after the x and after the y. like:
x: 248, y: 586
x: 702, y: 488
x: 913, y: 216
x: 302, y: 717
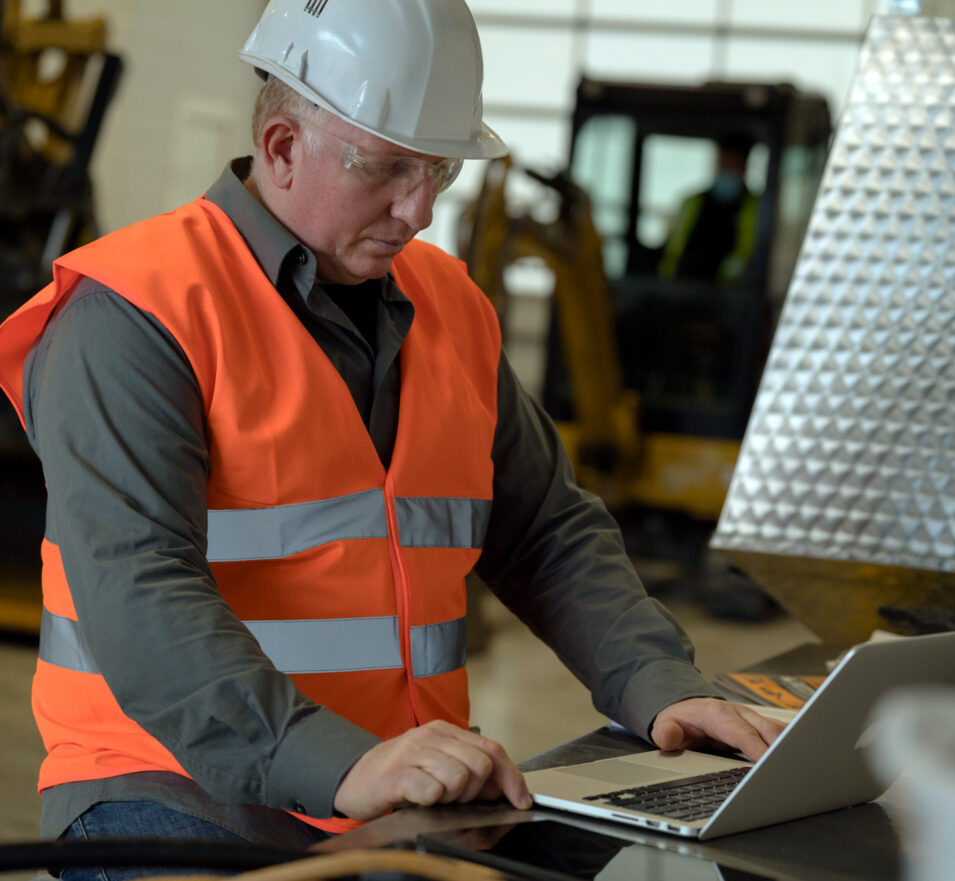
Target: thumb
x: 668, y: 735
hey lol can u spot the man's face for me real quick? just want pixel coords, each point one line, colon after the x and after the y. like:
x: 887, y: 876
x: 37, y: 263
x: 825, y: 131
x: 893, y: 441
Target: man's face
x: 355, y: 226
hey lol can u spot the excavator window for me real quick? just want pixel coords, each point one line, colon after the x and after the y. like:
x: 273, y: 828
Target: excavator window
x: 603, y: 165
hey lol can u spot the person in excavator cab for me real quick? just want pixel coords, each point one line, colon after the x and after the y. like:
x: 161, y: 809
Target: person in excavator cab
x: 713, y: 233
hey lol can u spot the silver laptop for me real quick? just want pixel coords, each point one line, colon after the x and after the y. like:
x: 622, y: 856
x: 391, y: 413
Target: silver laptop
x: 815, y: 765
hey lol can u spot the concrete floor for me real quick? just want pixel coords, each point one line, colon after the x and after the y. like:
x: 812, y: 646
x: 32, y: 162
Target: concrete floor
x: 20, y: 746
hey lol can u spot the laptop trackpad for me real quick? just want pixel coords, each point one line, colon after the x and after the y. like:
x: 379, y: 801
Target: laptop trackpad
x: 620, y: 772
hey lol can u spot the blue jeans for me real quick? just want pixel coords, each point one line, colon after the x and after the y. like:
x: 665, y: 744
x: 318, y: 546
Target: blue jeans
x: 138, y: 820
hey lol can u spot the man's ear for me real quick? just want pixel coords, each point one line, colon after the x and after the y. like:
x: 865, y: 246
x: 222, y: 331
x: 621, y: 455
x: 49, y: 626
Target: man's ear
x: 282, y: 149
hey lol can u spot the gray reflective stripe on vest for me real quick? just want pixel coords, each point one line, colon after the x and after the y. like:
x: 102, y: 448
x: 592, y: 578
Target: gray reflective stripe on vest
x: 342, y: 645
x: 272, y: 533
x: 62, y: 645
x: 283, y: 530
x: 441, y: 522
x: 336, y: 645
x: 438, y: 648
x: 330, y: 646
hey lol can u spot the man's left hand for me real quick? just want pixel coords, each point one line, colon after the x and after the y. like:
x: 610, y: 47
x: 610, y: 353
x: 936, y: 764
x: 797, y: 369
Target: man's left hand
x: 709, y: 722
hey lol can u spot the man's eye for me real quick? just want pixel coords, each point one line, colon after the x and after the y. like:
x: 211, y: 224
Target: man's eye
x: 401, y: 167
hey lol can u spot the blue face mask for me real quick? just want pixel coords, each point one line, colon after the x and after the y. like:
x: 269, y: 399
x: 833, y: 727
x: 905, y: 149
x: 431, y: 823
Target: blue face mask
x: 727, y: 187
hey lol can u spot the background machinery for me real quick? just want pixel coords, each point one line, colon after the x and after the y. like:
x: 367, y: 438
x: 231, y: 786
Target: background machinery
x: 651, y: 376
x: 56, y: 81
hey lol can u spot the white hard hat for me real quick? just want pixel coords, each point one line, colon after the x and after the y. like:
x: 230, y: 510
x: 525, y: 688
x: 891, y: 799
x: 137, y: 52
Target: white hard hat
x: 409, y: 71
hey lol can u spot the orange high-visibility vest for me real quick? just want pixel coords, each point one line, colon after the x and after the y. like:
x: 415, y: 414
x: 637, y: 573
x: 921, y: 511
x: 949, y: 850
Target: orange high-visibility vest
x: 367, y: 614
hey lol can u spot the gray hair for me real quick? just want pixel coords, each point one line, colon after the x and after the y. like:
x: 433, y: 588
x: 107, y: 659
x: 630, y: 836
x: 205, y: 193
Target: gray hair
x: 276, y: 98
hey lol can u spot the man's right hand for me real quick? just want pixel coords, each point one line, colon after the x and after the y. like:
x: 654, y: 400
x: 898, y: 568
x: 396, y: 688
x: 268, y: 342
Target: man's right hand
x: 436, y: 763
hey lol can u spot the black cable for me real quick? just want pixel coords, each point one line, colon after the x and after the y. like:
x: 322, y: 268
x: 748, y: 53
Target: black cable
x: 54, y: 855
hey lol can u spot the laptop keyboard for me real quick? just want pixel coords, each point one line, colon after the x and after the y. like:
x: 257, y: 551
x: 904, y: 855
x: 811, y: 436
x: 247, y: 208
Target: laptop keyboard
x: 690, y: 798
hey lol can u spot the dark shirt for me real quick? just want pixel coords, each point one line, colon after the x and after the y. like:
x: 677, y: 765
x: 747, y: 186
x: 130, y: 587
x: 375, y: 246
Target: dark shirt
x: 114, y: 411
x: 713, y: 238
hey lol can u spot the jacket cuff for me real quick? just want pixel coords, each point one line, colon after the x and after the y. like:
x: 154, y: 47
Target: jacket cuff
x: 658, y: 685
x: 310, y: 762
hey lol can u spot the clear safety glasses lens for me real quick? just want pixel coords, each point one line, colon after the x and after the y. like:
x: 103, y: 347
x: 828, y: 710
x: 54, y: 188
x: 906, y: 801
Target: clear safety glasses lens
x: 406, y: 172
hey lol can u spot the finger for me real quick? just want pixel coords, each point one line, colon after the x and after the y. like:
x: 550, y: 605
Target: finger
x: 511, y: 784
x: 669, y: 735
x: 475, y: 754
x: 769, y: 729
x: 460, y: 768
x: 490, y: 791
x: 490, y: 771
x: 735, y: 731
x: 418, y: 785
x: 504, y: 777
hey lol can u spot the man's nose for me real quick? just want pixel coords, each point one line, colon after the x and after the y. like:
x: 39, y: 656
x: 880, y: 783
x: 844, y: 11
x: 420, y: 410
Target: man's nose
x: 416, y: 206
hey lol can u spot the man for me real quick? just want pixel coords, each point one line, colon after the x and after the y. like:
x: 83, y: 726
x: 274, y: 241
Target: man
x: 714, y: 232
x: 277, y: 434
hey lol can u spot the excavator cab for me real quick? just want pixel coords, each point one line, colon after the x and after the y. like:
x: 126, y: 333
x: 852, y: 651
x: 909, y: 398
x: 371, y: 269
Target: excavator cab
x: 694, y: 312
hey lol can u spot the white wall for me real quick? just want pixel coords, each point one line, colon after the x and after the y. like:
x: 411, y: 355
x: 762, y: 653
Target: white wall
x: 183, y: 104
x: 185, y: 98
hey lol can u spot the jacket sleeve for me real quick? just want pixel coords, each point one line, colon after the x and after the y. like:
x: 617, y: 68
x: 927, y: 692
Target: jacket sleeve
x: 569, y: 577
x: 114, y: 411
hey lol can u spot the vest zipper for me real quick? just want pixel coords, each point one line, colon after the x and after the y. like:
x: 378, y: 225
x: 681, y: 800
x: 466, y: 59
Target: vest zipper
x: 403, y: 593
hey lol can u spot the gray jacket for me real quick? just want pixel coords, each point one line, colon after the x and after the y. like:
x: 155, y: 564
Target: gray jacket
x: 114, y: 412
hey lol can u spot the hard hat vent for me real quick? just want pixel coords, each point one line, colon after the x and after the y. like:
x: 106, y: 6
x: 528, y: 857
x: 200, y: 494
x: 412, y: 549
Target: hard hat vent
x: 316, y: 7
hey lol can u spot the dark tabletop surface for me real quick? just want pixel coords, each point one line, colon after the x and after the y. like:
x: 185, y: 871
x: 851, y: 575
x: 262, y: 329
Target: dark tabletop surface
x: 853, y: 843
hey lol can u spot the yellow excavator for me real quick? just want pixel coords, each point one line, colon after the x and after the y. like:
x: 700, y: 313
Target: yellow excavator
x: 612, y: 452
x: 651, y: 377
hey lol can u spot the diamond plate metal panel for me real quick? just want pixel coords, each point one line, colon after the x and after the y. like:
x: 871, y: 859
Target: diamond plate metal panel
x: 849, y: 455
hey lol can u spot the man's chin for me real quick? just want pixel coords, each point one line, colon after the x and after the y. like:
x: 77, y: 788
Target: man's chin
x: 379, y: 267
x: 370, y: 261
x: 365, y: 271
x: 376, y: 260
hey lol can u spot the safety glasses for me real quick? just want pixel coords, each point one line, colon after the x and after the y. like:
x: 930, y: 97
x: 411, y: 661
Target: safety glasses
x: 390, y: 169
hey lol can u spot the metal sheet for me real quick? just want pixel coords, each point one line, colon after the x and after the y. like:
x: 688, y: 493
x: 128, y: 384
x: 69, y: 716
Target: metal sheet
x: 844, y: 494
